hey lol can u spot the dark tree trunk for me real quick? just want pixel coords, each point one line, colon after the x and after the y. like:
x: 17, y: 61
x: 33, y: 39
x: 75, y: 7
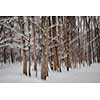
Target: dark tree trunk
x: 5, y: 55
x: 12, y: 56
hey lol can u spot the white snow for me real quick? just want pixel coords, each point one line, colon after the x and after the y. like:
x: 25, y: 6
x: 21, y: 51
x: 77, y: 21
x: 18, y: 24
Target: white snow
x: 13, y: 73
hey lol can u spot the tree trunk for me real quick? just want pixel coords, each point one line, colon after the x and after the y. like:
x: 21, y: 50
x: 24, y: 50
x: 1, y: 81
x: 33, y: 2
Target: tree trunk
x: 55, y: 49
x: 24, y: 51
x: 66, y: 44
x: 34, y: 47
x: 29, y: 54
x: 12, y: 55
x: 5, y: 55
x: 44, y: 69
x: 88, y: 40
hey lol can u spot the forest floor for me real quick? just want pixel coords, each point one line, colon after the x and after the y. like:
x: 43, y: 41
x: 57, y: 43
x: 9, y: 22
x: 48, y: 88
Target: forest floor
x: 13, y: 74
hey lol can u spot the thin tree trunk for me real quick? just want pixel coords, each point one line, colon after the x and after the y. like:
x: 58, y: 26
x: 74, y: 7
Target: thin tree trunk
x: 5, y: 55
x: 29, y: 59
x: 24, y: 51
x: 34, y: 47
x: 12, y: 55
x: 88, y: 40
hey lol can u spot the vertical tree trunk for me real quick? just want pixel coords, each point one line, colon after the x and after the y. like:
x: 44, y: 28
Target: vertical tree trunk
x: 24, y: 51
x: 97, y: 34
x: 29, y: 54
x: 51, y: 50
x: 12, y: 55
x: 84, y: 41
x: 54, y: 60
x: 11, y: 51
x: 24, y: 63
x: 20, y: 57
x: 94, y: 43
x: 44, y: 69
x: 5, y: 55
x: 88, y: 40
x: 55, y: 49
x: 66, y: 44
x: 34, y: 47
x: 79, y: 50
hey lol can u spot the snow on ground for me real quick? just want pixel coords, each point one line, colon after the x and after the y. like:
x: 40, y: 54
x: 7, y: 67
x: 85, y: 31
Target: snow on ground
x: 13, y: 74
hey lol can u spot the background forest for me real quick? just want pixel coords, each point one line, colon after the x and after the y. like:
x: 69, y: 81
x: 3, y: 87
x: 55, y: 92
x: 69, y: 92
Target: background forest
x: 53, y: 42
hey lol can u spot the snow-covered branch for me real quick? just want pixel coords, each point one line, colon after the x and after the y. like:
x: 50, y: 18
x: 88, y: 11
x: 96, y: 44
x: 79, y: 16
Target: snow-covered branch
x: 52, y: 26
x: 18, y: 33
x: 37, y: 25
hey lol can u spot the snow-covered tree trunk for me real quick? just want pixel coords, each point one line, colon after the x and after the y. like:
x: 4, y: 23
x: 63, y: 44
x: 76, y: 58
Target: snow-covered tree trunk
x: 51, y: 50
x: 54, y: 49
x: 34, y: 46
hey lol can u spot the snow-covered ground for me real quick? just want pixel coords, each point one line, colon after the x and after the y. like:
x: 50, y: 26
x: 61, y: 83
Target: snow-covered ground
x: 13, y: 73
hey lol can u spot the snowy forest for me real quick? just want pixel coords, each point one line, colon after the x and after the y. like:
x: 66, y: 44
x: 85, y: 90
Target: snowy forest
x: 49, y: 44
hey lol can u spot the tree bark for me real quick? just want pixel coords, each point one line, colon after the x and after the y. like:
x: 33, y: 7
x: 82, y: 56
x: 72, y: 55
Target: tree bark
x: 34, y: 47
x: 44, y: 69
x: 66, y: 44
x: 24, y: 51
